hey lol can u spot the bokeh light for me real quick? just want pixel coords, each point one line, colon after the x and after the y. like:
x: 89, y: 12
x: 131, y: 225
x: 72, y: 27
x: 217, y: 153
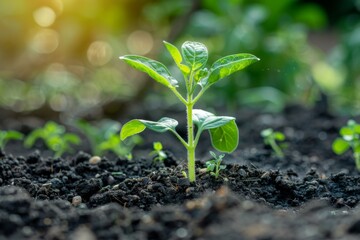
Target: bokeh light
x: 99, y: 53
x: 140, y: 42
x: 45, y: 41
x: 44, y: 16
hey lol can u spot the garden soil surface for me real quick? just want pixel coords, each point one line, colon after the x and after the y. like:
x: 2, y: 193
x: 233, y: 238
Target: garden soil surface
x: 309, y: 194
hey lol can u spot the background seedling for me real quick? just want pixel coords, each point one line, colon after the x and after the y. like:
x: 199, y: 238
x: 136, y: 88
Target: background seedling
x: 271, y: 137
x: 214, y: 166
x: 350, y: 138
x: 158, y: 153
x: 105, y: 137
x: 55, y: 138
x: 197, y: 79
x: 5, y: 136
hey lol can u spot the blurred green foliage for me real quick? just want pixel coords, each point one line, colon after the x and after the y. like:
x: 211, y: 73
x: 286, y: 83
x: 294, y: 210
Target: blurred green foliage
x: 64, y: 53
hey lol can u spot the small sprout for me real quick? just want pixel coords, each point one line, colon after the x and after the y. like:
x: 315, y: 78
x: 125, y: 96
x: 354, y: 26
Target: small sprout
x: 158, y: 152
x: 105, y: 137
x: 5, y: 136
x: 214, y: 166
x: 271, y: 137
x: 55, y: 138
x: 350, y: 138
x: 122, y: 149
x: 184, y: 174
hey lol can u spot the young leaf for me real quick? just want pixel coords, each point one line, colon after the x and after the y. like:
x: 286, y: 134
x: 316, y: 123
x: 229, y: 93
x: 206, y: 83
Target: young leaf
x: 267, y: 132
x: 153, y: 68
x: 346, y: 131
x: 227, y: 65
x: 32, y: 137
x: 14, y: 135
x: 157, y: 146
x: 215, y: 122
x: 206, y: 120
x: 340, y: 146
x: 279, y: 136
x: 225, y: 138
x: 131, y: 128
x: 176, y: 55
x: 138, y: 125
x: 195, y: 54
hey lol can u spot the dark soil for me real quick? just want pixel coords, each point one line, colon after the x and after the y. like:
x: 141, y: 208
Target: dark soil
x: 309, y: 194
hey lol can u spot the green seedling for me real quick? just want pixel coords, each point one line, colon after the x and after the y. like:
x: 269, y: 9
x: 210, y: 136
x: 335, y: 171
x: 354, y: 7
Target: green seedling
x: 350, y: 138
x: 158, y: 152
x: 214, y: 166
x: 105, y: 137
x: 6, y: 136
x: 115, y: 145
x: 55, y: 138
x: 271, y: 137
x: 197, y: 79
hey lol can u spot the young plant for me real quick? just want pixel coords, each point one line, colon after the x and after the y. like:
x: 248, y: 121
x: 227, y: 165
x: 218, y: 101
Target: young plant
x: 115, y: 145
x: 158, y: 152
x: 197, y: 79
x: 105, y: 137
x: 350, y: 138
x: 214, y: 166
x: 5, y: 136
x: 271, y: 137
x: 55, y: 138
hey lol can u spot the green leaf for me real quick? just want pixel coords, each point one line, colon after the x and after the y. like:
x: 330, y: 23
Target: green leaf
x: 279, y: 136
x: 32, y: 137
x: 346, y: 131
x: 14, y: 135
x: 138, y: 125
x: 210, y: 165
x: 228, y: 65
x: 176, y: 55
x: 157, y: 146
x: 153, y: 68
x: 340, y: 146
x: 357, y: 129
x: 131, y: 128
x: 225, y: 138
x: 267, y: 132
x: 72, y: 138
x: 195, y: 54
x: 52, y: 128
x: 206, y: 120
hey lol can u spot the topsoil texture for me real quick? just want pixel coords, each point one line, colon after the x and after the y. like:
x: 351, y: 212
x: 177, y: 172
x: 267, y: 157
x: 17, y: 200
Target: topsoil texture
x: 309, y: 194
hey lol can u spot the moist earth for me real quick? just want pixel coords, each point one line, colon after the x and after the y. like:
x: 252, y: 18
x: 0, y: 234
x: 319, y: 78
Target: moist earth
x: 309, y: 194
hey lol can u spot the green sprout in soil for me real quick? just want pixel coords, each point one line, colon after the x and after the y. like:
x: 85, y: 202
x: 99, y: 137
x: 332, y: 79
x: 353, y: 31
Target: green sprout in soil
x: 350, y: 138
x: 55, y: 138
x: 6, y: 136
x: 105, y: 137
x: 271, y: 137
x: 214, y: 166
x: 158, y: 153
x: 197, y: 79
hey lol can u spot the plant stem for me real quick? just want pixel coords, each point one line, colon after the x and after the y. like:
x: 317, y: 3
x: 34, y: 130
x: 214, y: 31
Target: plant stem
x: 357, y: 160
x: 276, y: 149
x: 191, y: 143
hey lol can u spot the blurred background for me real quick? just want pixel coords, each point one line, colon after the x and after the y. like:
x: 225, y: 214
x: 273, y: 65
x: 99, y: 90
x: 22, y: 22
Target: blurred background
x: 61, y: 56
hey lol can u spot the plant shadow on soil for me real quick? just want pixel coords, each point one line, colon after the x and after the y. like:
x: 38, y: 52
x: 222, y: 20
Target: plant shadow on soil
x: 309, y: 194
